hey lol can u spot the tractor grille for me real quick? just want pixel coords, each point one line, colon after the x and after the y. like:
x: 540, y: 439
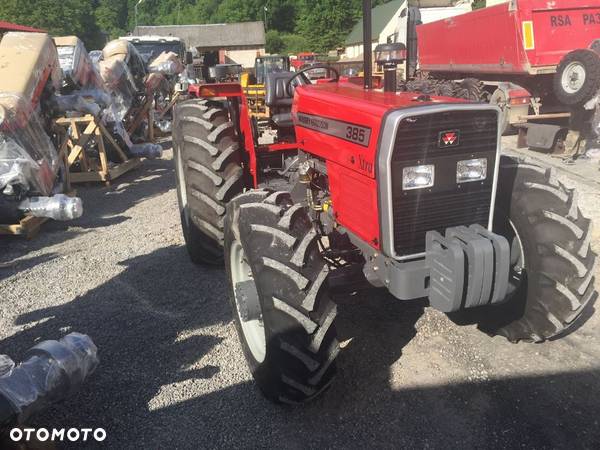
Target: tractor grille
x: 446, y: 204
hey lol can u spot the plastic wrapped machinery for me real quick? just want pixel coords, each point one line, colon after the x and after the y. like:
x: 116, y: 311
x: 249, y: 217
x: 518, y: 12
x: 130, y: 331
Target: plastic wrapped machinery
x: 30, y: 76
x: 167, y: 63
x: 78, y: 69
x: 28, y: 159
x: 50, y: 372
x: 29, y: 73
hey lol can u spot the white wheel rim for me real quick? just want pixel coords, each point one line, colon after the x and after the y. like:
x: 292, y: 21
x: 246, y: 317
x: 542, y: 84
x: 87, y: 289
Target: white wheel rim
x: 520, y: 263
x: 253, y: 330
x: 573, y: 77
x: 180, y: 175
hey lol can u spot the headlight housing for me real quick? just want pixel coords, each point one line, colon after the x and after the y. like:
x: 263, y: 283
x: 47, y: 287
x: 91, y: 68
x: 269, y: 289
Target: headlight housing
x: 471, y: 170
x: 418, y: 177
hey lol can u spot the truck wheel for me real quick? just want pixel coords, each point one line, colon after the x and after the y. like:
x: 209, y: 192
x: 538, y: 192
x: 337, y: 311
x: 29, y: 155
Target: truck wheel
x: 552, y: 271
x: 209, y: 172
x: 278, y: 290
x: 577, y: 77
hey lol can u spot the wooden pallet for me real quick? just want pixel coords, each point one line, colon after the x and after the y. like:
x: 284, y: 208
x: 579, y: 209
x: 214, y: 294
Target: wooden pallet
x: 83, y: 131
x: 28, y: 227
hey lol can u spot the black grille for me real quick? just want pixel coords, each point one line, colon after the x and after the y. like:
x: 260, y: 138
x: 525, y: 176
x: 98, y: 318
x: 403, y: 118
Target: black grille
x: 413, y: 217
x: 446, y: 204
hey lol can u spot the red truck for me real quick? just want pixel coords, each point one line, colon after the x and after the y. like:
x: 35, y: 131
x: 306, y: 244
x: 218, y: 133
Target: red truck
x: 302, y: 59
x: 551, y: 48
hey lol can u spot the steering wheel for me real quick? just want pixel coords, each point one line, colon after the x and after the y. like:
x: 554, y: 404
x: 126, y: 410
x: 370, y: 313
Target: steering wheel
x: 288, y: 87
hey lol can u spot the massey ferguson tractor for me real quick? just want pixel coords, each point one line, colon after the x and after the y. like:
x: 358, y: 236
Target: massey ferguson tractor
x: 404, y: 191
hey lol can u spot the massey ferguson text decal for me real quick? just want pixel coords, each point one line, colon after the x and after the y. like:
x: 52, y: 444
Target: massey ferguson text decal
x: 347, y: 131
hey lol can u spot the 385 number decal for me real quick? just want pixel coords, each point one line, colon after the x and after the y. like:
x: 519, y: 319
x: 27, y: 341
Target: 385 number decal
x: 355, y: 134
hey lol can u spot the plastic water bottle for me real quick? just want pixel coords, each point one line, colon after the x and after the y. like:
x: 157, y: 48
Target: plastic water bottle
x: 57, y: 207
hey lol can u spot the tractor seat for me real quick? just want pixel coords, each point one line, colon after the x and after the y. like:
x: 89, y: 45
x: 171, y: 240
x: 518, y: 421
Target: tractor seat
x: 279, y: 98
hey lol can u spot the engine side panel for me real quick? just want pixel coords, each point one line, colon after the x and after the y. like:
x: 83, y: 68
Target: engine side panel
x: 354, y: 198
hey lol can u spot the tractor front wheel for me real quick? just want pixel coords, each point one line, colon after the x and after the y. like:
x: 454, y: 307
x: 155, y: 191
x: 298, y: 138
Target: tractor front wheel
x: 278, y: 290
x: 552, y: 271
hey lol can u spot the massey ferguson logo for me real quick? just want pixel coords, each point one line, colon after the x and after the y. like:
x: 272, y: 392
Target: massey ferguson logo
x: 449, y: 138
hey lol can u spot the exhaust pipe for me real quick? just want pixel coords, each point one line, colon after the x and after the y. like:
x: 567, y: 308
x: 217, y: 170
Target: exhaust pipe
x: 367, y: 44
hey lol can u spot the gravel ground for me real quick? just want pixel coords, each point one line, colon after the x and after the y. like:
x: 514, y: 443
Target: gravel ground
x: 172, y: 372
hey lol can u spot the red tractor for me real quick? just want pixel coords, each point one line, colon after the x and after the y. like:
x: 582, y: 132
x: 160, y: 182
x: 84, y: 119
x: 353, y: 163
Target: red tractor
x: 344, y: 185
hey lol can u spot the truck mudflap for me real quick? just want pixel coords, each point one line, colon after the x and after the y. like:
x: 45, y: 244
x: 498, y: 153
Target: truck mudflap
x: 469, y: 267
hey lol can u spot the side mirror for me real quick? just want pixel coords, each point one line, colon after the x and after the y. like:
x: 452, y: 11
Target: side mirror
x: 189, y: 58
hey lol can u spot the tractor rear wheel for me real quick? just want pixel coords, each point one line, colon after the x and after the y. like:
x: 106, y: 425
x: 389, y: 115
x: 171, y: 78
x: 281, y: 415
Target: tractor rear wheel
x: 210, y: 172
x: 553, y: 266
x: 278, y: 290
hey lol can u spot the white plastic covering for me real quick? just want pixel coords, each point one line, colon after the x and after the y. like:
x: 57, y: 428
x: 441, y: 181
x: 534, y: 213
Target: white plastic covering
x: 119, y: 81
x: 148, y: 150
x: 57, y: 207
x: 77, y: 67
x: 167, y: 63
x: 156, y: 82
x: 78, y: 103
x: 27, y: 156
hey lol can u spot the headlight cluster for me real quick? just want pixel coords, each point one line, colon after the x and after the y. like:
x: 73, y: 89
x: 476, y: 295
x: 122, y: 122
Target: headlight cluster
x: 471, y: 170
x: 418, y: 177
x: 421, y: 177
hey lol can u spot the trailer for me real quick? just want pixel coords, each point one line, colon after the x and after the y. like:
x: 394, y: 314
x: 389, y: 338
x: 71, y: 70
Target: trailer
x: 536, y: 58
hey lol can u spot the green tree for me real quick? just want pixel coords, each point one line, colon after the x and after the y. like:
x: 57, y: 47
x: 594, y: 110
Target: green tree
x: 58, y: 17
x: 275, y: 43
x: 326, y: 23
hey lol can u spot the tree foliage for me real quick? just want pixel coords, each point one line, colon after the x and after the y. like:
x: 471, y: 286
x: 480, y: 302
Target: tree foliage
x: 292, y: 25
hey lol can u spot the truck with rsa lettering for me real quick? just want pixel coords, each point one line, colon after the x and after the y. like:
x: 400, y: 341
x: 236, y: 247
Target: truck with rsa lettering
x: 528, y: 57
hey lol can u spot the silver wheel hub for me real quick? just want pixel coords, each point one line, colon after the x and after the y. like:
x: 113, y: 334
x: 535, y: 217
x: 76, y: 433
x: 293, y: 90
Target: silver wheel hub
x: 246, y: 302
x: 573, y: 78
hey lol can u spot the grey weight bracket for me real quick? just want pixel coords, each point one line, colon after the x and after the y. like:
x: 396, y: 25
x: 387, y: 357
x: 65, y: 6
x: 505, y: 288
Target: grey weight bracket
x: 480, y: 265
x: 446, y: 261
x: 501, y: 262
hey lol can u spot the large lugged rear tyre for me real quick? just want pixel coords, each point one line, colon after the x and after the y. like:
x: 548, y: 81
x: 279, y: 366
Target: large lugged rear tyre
x: 577, y: 77
x: 209, y: 169
x: 284, y: 315
x: 470, y: 89
x: 553, y: 265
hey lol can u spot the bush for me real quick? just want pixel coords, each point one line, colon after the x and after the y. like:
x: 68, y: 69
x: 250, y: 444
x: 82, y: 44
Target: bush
x: 275, y: 43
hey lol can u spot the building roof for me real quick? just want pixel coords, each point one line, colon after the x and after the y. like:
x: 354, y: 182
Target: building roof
x: 7, y: 26
x: 243, y: 34
x: 380, y: 17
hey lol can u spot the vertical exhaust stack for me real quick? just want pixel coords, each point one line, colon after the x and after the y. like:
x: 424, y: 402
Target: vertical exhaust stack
x: 389, y: 56
x: 367, y: 49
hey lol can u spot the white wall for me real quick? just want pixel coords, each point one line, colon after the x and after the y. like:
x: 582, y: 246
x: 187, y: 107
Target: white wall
x: 245, y: 57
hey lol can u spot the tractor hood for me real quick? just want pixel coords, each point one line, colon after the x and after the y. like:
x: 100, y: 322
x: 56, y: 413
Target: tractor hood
x: 348, y: 118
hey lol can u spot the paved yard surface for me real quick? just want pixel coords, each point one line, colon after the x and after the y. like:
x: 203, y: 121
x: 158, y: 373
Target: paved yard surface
x: 172, y: 374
